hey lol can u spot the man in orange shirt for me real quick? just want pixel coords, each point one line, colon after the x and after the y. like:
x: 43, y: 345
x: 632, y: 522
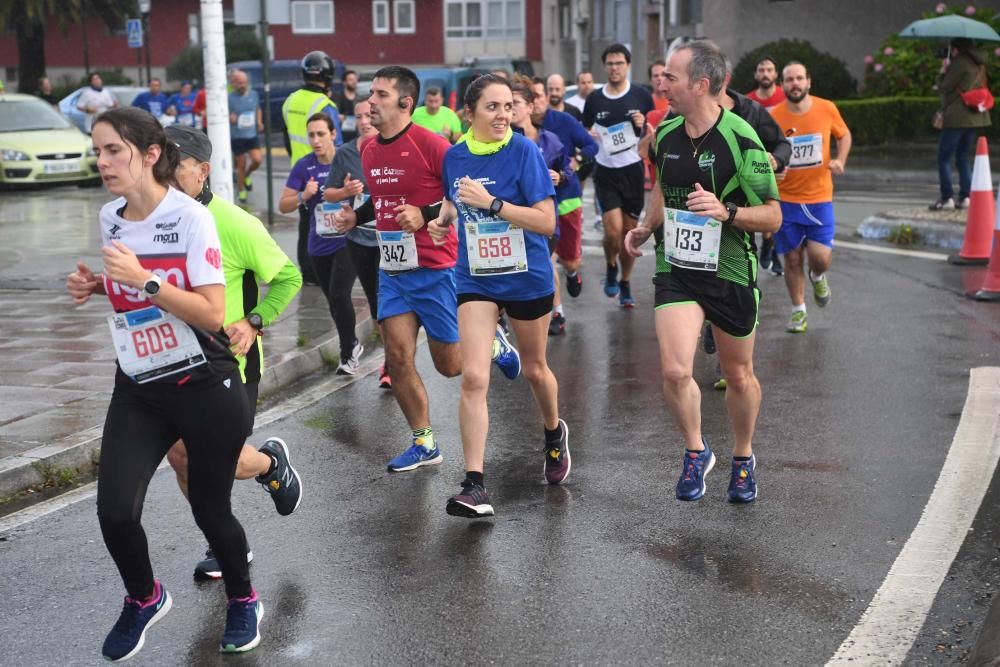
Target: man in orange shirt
x: 807, y: 188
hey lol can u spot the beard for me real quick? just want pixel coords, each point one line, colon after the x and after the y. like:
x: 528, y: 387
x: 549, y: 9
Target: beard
x: 555, y: 100
x: 765, y: 82
x: 796, y: 96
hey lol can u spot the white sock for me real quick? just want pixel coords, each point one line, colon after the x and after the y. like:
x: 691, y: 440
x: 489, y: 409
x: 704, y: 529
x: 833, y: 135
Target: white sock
x: 799, y: 308
x: 558, y: 309
x: 814, y: 277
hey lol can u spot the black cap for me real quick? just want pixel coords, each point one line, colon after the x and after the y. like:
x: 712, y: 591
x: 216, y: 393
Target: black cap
x: 190, y: 142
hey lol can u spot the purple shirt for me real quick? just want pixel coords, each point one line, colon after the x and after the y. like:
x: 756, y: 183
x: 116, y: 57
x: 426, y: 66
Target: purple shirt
x: 309, y: 167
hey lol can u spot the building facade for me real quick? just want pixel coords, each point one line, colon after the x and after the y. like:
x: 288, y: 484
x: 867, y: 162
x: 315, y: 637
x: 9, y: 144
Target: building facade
x: 364, y: 34
x: 575, y: 32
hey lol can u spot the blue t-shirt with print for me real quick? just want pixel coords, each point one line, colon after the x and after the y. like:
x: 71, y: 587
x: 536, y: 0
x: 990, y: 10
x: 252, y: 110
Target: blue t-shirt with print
x: 154, y: 104
x: 517, y: 175
x: 184, y: 104
x: 309, y: 167
x: 245, y: 109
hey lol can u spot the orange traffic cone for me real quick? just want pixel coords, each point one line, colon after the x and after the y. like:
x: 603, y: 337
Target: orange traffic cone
x: 980, y: 221
x: 990, y: 291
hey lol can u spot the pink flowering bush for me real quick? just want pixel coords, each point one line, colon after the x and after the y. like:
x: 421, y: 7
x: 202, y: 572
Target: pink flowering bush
x: 909, y: 67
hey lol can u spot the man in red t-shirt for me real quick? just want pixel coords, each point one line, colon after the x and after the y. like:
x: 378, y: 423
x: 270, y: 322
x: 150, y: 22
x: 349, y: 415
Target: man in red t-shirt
x: 768, y: 92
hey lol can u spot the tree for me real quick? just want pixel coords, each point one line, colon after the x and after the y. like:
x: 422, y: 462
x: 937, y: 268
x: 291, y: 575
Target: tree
x: 830, y: 78
x: 28, y: 18
x: 241, y: 44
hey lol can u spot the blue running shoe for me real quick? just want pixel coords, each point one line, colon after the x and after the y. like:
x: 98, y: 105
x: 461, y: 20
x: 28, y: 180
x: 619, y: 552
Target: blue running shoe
x: 242, y: 624
x: 691, y: 485
x: 625, y: 295
x: 129, y: 634
x: 415, y: 457
x: 743, y: 481
x: 611, y: 282
x: 505, y: 355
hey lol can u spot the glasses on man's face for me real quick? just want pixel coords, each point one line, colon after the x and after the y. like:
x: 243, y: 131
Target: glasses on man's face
x: 620, y: 63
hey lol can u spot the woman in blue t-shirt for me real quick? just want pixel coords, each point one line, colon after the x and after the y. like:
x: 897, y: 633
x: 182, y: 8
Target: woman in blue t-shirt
x: 499, y: 191
x: 332, y: 264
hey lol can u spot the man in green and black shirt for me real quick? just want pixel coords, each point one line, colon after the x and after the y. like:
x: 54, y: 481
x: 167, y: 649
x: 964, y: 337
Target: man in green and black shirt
x: 716, y: 188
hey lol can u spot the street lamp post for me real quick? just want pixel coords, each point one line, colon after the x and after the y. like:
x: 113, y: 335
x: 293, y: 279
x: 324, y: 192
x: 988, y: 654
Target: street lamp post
x: 144, y: 7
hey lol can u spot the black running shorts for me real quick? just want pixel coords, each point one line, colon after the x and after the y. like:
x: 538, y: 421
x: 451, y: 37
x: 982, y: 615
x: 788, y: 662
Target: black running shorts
x: 623, y: 187
x: 731, y: 307
x: 252, y: 389
x: 532, y: 309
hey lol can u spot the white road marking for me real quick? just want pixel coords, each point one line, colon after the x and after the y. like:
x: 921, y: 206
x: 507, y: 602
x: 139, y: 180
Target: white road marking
x: 920, y: 254
x: 890, y: 624
x: 301, y: 400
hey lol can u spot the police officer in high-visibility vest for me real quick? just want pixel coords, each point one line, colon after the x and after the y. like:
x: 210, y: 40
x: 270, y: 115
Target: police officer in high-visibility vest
x: 314, y: 97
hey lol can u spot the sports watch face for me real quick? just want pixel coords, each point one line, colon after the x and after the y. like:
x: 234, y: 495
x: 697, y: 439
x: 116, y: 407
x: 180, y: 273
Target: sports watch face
x: 151, y: 287
x: 255, y: 321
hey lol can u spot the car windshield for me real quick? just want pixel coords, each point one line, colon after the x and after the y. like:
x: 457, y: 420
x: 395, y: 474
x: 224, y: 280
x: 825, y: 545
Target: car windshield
x: 125, y: 97
x: 24, y: 115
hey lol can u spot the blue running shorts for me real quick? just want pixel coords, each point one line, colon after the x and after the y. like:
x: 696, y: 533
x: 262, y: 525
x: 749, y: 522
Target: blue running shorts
x: 804, y: 222
x: 427, y: 293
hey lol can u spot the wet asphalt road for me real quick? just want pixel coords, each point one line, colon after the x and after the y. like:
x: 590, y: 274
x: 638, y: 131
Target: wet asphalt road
x: 609, y: 569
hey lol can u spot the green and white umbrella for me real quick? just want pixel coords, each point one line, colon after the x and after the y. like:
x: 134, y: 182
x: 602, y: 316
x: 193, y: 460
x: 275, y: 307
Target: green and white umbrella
x: 951, y: 26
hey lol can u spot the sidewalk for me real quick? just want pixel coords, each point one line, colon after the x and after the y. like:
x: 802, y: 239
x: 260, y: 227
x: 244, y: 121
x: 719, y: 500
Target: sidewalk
x: 57, y: 370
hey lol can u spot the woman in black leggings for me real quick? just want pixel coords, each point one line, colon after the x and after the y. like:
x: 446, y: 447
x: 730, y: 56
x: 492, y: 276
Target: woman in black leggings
x: 346, y: 183
x: 176, y: 377
x: 332, y: 264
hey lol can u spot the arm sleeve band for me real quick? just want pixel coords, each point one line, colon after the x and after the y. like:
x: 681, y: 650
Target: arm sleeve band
x: 283, y: 288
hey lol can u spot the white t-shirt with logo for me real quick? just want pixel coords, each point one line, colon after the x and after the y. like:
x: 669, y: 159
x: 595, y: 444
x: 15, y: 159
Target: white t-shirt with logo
x: 178, y: 242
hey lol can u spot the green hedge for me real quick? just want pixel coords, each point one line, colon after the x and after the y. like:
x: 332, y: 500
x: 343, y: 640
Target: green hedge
x: 883, y: 120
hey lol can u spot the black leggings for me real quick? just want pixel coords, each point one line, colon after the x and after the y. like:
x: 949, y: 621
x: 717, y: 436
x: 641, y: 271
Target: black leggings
x: 335, y: 274
x: 302, y: 246
x: 365, y: 259
x: 143, y: 422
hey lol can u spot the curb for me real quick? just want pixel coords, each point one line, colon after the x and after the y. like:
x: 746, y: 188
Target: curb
x: 929, y: 234
x: 79, y: 450
x: 986, y: 652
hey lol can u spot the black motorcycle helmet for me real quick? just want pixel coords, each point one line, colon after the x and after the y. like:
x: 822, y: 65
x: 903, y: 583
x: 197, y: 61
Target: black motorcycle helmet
x: 318, y: 67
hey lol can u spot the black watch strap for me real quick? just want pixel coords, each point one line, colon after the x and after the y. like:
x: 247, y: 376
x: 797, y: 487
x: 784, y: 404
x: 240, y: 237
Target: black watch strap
x: 732, y: 208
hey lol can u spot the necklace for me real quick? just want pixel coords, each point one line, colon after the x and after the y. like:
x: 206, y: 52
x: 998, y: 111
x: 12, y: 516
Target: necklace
x: 694, y: 151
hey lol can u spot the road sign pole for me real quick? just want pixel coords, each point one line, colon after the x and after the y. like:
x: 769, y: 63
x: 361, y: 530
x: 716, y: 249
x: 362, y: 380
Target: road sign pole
x: 265, y: 62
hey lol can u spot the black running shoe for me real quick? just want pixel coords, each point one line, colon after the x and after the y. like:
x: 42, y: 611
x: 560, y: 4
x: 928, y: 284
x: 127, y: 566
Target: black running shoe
x: 574, y: 284
x: 766, y: 251
x: 284, y: 483
x: 557, y: 459
x: 472, y: 503
x: 708, y: 339
x: 557, y: 325
x: 776, y: 267
x: 210, y: 569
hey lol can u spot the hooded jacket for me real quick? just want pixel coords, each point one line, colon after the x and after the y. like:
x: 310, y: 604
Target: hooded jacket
x: 962, y: 75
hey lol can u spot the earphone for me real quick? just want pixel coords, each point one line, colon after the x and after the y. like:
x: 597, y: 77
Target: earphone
x: 403, y: 104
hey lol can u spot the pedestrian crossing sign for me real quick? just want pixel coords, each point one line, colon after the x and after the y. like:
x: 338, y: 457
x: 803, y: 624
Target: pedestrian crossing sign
x: 134, y: 29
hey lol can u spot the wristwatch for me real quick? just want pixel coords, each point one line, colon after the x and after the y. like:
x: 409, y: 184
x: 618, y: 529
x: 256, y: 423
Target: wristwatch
x: 151, y: 287
x: 496, y: 205
x: 732, y: 208
x: 256, y: 321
